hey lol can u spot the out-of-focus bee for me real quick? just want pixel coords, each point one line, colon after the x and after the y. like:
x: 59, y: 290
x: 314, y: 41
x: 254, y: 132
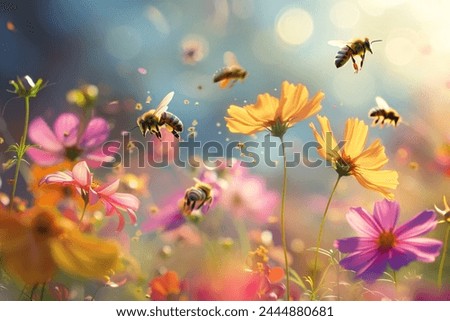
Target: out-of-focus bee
x: 154, y: 119
x: 383, y: 113
x: 197, y: 196
x: 231, y: 73
x: 357, y: 47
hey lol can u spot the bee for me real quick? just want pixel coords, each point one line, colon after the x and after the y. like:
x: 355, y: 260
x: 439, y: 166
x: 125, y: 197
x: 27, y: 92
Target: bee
x: 383, y: 113
x: 152, y: 120
x: 231, y: 73
x: 349, y: 50
x: 197, y: 196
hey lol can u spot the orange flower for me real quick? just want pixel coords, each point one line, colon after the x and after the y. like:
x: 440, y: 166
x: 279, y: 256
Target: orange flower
x: 364, y: 165
x: 276, y: 115
x: 165, y: 287
x: 35, y: 243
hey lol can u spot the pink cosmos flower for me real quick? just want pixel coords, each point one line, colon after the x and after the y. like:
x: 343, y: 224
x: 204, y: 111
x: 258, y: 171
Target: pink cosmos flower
x: 82, y: 179
x: 67, y: 141
x: 247, y: 196
x: 381, y: 242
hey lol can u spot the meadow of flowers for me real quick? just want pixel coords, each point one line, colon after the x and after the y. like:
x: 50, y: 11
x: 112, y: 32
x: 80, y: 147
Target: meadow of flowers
x: 304, y: 197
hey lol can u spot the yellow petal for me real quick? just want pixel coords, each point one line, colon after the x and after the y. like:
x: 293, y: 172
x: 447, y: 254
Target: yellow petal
x: 319, y: 139
x: 373, y: 157
x: 381, y: 181
x: 85, y: 256
x: 241, y: 114
x: 311, y: 108
x: 237, y: 127
x: 292, y: 99
x: 265, y: 108
x: 355, y: 137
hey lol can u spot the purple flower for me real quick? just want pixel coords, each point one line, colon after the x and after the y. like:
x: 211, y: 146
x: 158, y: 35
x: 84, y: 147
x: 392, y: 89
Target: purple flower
x: 67, y: 141
x: 381, y: 243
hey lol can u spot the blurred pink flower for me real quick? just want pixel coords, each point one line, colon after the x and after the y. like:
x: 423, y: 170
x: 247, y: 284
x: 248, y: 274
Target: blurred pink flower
x: 66, y: 141
x: 247, y: 196
x: 82, y: 179
x: 381, y: 243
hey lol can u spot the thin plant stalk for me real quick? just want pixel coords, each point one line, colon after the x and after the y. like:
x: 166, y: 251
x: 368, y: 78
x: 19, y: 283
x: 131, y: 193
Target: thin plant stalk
x: 21, y: 151
x: 283, y: 223
x: 319, y: 238
x: 444, y: 253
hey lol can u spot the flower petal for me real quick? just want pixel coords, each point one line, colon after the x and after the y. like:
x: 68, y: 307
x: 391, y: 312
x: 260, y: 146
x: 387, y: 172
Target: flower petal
x: 58, y: 177
x: 265, y: 109
x: 292, y: 99
x: 363, y: 223
x: 353, y: 244
x: 124, y: 201
x: 373, y: 157
x: 66, y: 129
x: 400, y: 257
x: 237, y: 127
x: 325, y: 139
x: 386, y: 214
x: 418, y: 225
x: 40, y: 134
x: 85, y: 256
x: 96, y: 158
x: 423, y: 249
x: 368, y: 266
x: 45, y: 157
x: 97, y: 131
x: 82, y: 174
x: 108, y: 189
x: 382, y: 181
x: 355, y: 136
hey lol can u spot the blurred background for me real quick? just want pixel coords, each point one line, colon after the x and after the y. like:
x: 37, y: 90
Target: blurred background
x: 132, y: 50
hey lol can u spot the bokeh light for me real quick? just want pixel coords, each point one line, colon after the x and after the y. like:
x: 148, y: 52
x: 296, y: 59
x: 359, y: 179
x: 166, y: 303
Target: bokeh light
x: 294, y: 26
x: 344, y: 14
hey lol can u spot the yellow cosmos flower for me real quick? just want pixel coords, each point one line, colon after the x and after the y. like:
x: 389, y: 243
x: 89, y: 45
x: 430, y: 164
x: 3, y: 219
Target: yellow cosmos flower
x: 35, y: 243
x: 364, y: 165
x: 274, y: 114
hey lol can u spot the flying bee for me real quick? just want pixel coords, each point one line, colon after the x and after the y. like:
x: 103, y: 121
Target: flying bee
x: 349, y: 50
x: 197, y: 196
x: 231, y: 73
x: 154, y: 119
x: 383, y: 113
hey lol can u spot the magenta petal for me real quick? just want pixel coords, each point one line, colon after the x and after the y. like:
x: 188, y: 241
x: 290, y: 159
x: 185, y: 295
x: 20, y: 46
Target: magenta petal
x: 401, y: 257
x: 424, y: 249
x: 97, y: 131
x: 386, y: 213
x: 66, y: 129
x: 374, y: 268
x: 108, y: 188
x: 82, y: 174
x: 368, y: 266
x: 362, y: 222
x: 40, y: 134
x: 96, y: 158
x: 43, y: 157
x: 132, y: 216
x: 353, y: 244
x: 420, y: 224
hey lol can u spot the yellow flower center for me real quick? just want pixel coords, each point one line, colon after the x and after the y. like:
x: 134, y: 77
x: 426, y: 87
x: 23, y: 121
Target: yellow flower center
x: 95, y: 185
x: 386, y: 240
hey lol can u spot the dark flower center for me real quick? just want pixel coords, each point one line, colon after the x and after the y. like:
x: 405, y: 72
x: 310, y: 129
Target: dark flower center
x: 44, y: 225
x: 386, y: 240
x: 73, y: 152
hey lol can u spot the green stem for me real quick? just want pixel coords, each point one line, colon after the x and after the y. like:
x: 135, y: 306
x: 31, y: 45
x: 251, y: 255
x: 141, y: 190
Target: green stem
x: 241, y: 229
x: 319, y: 238
x: 20, y: 152
x: 394, y: 277
x: 283, y: 223
x: 444, y: 253
x: 84, y: 211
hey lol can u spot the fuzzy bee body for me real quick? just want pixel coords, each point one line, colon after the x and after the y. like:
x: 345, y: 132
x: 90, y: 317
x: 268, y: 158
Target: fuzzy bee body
x: 152, y: 120
x: 172, y: 122
x: 350, y: 50
x: 384, y: 114
x: 231, y: 73
x: 197, y: 196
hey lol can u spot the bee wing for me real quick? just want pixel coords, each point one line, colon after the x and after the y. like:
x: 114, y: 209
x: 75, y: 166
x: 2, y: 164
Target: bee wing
x: 229, y: 59
x: 338, y: 43
x: 382, y: 103
x: 164, y: 104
